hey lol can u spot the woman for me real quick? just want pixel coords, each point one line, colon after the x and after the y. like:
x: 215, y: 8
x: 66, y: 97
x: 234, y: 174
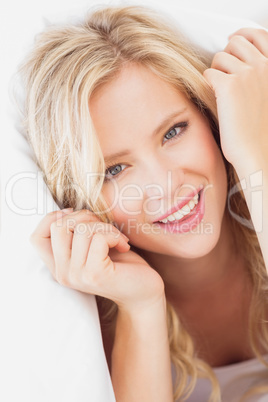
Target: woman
x: 122, y: 115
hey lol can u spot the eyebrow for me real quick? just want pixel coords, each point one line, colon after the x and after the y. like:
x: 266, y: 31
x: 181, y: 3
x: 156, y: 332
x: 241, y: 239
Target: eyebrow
x: 159, y: 128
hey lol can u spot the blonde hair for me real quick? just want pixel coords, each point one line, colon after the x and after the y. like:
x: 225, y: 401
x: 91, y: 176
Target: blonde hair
x: 66, y: 65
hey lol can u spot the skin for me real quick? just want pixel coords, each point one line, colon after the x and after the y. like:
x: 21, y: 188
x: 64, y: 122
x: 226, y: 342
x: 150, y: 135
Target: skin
x: 200, y: 272
x: 238, y: 77
x: 191, y: 160
x: 193, y: 263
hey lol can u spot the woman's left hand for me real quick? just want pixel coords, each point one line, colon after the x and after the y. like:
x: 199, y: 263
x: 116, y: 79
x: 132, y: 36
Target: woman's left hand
x: 239, y: 78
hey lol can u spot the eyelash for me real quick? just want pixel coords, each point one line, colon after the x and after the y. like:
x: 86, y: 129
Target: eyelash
x: 183, y: 126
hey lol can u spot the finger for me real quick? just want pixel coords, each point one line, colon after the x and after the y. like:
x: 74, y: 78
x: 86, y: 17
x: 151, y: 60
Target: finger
x: 100, y: 246
x: 226, y: 63
x: 80, y: 222
x: 244, y: 50
x: 83, y: 235
x: 61, y: 243
x: 62, y: 233
x: 80, y: 246
x: 215, y: 78
x: 87, y: 216
x: 40, y: 238
x: 258, y: 37
x: 83, y: 215
x: 43, y: 227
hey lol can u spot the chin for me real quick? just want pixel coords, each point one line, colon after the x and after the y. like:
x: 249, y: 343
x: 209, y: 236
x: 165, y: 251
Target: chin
x: 196, y: 244
x: 202, y: 244
x: 190, y: 245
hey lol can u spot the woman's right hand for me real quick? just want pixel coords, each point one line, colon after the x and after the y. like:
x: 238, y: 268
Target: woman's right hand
x: 91, y: 256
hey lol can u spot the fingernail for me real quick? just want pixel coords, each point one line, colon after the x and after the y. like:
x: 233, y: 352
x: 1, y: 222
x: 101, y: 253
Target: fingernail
x: 125, y: 236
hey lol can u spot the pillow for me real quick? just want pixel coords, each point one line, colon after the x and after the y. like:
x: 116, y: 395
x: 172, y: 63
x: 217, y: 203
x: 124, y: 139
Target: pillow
x: 51, y: 341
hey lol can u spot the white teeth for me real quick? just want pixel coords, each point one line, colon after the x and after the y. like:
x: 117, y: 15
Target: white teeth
x: 185, y: 210
x: 178, y: 215
x: 191, y: 204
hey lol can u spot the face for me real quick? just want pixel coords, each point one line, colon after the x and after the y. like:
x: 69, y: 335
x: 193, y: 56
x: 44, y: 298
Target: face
x: 159, y: 153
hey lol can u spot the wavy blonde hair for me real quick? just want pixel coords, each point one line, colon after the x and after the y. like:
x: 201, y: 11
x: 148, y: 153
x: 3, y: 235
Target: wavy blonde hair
x: 65, y: 66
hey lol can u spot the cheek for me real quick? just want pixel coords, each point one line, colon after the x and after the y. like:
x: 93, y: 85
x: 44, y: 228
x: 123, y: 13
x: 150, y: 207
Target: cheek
x: 206, y: 153
x: 208, y: 162
x: 213, y: 168
x: 205, y: 150
x: 125, y: 201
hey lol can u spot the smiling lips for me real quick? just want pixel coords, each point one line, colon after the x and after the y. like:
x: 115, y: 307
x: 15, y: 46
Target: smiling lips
x: 183, y: 209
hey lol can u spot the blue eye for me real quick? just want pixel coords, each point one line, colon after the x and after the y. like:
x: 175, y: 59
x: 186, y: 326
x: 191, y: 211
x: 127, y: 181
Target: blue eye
x: 113, y: 171
x: 176, y: 131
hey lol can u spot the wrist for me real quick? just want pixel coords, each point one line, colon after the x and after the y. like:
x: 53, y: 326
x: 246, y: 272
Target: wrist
x: 141, y: 324
x: 143, y: 311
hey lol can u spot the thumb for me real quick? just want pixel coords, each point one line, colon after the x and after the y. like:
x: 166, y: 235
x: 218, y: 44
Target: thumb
x: 215, y: 78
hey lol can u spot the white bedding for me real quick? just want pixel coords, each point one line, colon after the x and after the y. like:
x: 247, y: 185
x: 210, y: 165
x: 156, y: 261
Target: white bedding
x: 51, y: 348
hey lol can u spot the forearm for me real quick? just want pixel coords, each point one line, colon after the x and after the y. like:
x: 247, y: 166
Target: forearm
x: 141, y: 368
x: 254, y: 173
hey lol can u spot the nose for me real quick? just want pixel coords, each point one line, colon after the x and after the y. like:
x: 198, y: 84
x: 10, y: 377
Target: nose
x: 154, y: 190
x: 162, y: 181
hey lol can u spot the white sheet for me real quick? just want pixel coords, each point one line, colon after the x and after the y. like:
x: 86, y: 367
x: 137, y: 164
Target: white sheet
x: 51, y: 349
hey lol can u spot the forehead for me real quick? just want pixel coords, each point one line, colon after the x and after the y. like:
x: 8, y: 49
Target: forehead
x: 135, y: 85
x: 132, y: 105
